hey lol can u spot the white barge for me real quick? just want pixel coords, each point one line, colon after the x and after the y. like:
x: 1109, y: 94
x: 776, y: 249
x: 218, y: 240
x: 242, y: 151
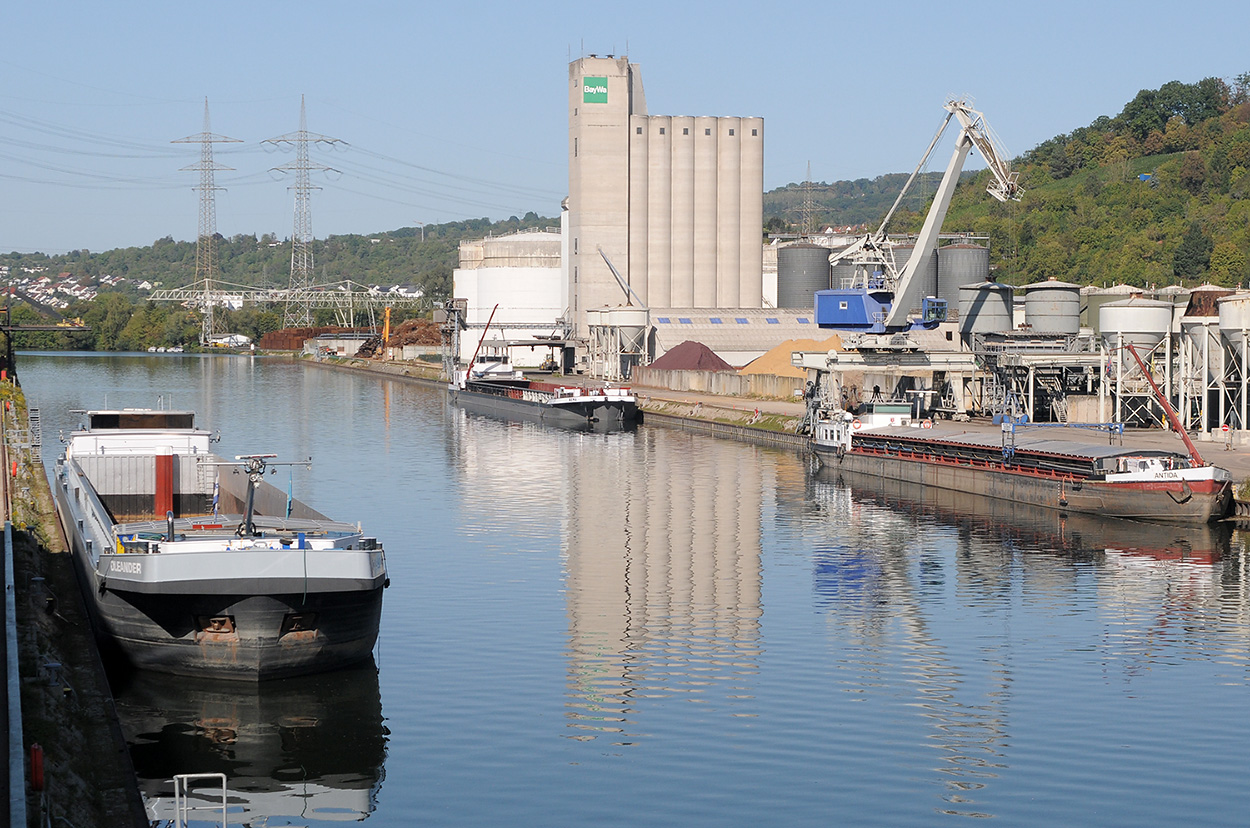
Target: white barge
x: 192, y: 564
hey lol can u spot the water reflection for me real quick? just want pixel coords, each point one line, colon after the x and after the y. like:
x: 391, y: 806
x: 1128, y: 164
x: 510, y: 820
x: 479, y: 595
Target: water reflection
x: 662, y: 554
x: 1161, y: 591
x: 312, y: 750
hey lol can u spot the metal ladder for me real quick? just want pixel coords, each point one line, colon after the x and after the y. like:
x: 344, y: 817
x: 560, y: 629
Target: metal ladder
x: 36, y: 429
x: 182, y: 803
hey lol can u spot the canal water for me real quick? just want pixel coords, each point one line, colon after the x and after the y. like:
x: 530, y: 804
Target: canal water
x: 658, y: 628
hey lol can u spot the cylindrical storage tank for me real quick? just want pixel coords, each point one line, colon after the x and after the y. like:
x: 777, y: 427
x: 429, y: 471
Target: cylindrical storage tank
x: 1179, y: 297
x: 1235, y: 327
x: 1095, y: 298
x: 985, y: 308
x: 841, y: 274
x: 926, y: 278
x: 1234, y: 317
x: 681, y: 285
x: 1200, y: 337
x: 1053, y: 307
x: 594, y: 316
x: 660, y: 212
x: 728, y: 213
x: 1200, y: 330
x: 802, y: 269
x: 959, y: 265
x: 705, y: 218
x: 633, y: 324
x: 1140, y: 322
x: 751, y: 212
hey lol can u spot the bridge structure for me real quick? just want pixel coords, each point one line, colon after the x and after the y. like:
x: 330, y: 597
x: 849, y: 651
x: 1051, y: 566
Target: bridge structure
x: 346, y: 298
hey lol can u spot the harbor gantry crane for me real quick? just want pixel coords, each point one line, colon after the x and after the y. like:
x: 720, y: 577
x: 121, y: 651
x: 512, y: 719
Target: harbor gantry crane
x: 885, y: 295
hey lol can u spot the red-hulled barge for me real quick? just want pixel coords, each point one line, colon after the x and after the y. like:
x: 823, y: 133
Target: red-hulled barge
x: 1048, y: 469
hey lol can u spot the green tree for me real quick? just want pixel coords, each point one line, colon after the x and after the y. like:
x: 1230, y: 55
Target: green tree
x: 1193, y: 254
x: 1228, y: 264
x: 108, y: 316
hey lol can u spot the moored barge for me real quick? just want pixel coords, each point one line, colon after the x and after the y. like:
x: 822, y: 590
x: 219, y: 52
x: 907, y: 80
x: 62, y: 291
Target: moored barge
x: 192, y: 564
x: 493, y: 388
x: 1056, y: 472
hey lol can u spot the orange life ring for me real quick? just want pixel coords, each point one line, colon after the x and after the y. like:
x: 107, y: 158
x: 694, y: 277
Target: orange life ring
x: 857, y: 424
x: 926, y: 424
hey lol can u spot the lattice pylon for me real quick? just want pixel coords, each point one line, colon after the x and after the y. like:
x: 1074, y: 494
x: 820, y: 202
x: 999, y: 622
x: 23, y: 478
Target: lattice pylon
x: 297, y: 314
x: 206, y: 238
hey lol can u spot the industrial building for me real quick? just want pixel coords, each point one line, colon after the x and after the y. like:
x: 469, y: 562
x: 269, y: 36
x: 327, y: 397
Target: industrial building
x: 673, y: 203
x: 676, y: 203
x: 1047, y: 365
x: 517, y: 279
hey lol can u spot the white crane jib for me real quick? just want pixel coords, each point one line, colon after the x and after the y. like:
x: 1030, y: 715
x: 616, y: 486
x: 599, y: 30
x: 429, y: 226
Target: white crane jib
x: 875, y: 250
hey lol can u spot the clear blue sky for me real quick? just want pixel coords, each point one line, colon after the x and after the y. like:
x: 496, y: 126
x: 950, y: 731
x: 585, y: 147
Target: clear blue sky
x: 457, y: 109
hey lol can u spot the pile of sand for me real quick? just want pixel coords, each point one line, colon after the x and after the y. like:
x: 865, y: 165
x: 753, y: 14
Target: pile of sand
x: 777, y: 361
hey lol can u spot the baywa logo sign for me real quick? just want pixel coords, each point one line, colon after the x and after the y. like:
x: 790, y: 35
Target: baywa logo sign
x: 594, y: 90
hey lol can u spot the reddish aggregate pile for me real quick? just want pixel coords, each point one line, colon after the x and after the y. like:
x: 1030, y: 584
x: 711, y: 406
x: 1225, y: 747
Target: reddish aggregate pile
x: 415, y: 332
x: 691, y: 356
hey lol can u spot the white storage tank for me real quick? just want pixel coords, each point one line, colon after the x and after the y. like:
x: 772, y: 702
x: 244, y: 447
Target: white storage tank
x: 1053, y: 307
x: 632, y: 323
x: 1140, y: 322
x: 1235, y: 321
x: 1200, y: 337
x: 1095, y: 297
x: 1200, y: 330
x: 1178, y: 295
x: 986, y: 308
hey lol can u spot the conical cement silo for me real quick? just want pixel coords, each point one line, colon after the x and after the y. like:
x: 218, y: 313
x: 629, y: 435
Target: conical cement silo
x: 1143, y: 323
x: 1235, y: 333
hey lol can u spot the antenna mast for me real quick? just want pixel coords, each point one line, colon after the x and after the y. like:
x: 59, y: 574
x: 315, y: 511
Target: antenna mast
x: 206, y: 240
x: 297, y: 313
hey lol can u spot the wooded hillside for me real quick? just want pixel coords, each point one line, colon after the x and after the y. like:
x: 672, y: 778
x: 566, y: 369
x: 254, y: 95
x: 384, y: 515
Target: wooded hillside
x: 1158, y: 194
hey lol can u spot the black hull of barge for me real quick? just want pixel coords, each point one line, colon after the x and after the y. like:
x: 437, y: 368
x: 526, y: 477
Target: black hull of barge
x: 164, y: 633
x: 600, y: 416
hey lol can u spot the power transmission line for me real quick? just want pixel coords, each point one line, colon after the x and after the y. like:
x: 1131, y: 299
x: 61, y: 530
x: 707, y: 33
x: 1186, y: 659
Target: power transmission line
x: 206, y: 239
x: 297, y: 315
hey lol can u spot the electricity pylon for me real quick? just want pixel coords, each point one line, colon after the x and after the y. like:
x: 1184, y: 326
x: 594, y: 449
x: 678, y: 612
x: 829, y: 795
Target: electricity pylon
x: 297, y: 314
x: 206, y: 239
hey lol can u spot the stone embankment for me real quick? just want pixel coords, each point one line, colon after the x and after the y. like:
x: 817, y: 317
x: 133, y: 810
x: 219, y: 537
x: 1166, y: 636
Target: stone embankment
x: 772, y: 420
x: 67, y: 706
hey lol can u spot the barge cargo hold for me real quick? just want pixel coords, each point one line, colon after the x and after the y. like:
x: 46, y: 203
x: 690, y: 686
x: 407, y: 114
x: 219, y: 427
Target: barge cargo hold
x: 1063, y: 474
x: 193, y: 565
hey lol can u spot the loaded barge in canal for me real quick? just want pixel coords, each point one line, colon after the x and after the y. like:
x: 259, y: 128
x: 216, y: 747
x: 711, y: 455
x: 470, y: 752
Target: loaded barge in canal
x: 194, y: 565
x: 492, y: 387
x: 1040, y: 469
